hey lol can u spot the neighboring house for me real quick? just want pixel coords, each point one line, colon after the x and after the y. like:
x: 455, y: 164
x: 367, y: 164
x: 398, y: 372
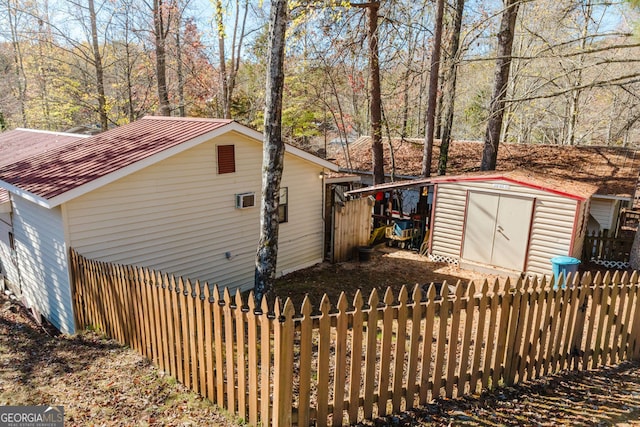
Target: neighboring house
x: 15, y: 146
x: 612, y: 170
x: 174, y: 194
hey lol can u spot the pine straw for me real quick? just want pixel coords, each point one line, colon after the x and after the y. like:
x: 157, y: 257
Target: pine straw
x: 98, y: 381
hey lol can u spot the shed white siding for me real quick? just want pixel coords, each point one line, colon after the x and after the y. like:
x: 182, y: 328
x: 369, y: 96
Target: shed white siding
x: 602, y: 210
x: 551, y: 232
x: 42, y: 256
x: 179, y: 216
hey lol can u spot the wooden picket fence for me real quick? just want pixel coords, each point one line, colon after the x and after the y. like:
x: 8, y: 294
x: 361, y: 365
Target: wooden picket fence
x: 337, y: 365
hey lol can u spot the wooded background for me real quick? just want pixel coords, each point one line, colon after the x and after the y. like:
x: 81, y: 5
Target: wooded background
x: 101, y: 63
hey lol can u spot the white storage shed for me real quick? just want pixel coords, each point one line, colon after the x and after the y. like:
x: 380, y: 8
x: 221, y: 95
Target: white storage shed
x: 514, y: 222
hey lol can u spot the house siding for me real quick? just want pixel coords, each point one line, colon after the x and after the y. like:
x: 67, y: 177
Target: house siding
x: 551, y: 232
x: 42, y: 256
x: 8, y: 266
x: 179, y: 216
x: 602, y: 210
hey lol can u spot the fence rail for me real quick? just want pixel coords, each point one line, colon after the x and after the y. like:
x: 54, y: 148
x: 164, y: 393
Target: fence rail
x: 337, y: 365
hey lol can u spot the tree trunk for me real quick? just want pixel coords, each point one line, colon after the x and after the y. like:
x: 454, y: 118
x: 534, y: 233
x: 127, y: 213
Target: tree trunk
x: 273, y: 153
x: 179, y: 71
x: 97, y: 59
x: 377, y: 154
x: 164, y: 109
x: 574, y: 100
x: 21, y: 80
x: 226, y: 110
x: 451, y: 75
x: 433, y: 92
x: 503, y: 64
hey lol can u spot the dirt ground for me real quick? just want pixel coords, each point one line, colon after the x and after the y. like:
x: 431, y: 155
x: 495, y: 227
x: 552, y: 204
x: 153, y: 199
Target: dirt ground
x: 388, y: 267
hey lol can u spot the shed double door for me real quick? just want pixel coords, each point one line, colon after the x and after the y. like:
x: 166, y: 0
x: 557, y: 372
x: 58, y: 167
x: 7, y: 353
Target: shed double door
x: 497, y: 230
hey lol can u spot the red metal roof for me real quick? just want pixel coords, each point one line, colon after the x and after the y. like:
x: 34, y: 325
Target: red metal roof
x: 19, y: 144
x: 54, y: 172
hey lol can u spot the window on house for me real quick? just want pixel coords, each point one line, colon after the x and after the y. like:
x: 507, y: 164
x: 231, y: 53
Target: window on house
x: 226, y: 159
x: 12, y: 241
x: 283, y: 206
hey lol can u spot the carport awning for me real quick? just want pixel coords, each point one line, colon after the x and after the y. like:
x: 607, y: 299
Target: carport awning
x: 390, y: 186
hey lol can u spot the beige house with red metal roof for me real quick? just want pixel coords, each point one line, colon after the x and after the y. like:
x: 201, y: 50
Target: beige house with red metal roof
x: 16, y: 146
x: 174, y: 194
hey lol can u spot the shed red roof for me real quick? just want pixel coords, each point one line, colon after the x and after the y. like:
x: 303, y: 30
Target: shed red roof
x: 612, y: 170
x: 57, y: 171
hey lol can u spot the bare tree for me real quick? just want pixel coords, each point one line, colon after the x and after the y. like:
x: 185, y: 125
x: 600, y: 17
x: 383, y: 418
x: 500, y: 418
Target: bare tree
x: 273, y: 153
x: 229, y: 72
x: 21, y: 80
x: 449, y: 92
x: 503, y: 64
x: 97, y: 62
x: 161, y: 26
x: 375, y: 106
x: 433, y: 91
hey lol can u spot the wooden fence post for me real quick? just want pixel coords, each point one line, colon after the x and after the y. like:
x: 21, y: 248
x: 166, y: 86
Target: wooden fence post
x: 340, y: 365
x: 283, y: 375
x: 306, y: 335
x: 634, y: 336
x: 370, y: 355
x: 356, y: 359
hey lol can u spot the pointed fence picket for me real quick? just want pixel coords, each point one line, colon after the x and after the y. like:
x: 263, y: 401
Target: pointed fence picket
x: 334, y: 365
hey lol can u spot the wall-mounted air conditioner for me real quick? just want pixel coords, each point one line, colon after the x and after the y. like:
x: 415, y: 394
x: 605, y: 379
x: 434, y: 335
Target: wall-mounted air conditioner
x: 245, y: 200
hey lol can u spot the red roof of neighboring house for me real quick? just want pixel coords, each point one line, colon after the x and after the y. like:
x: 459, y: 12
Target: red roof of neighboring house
x: 613, y: 170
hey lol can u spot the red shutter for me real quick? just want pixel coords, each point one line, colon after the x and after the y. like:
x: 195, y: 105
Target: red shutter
x: 226, y: 159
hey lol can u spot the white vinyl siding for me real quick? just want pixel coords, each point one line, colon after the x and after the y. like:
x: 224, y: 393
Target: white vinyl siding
x: 8, y: 265
x: 602, y: 210
x: 42, y: 258
x: 551, y: 232
x: 179, y: 216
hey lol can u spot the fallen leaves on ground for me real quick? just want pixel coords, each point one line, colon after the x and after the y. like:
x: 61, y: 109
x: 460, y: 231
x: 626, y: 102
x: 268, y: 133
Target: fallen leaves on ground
x: 98, y: 381
x: 603, y: 397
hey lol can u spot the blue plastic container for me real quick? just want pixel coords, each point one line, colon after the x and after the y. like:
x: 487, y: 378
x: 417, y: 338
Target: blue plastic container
x: 564, y: 265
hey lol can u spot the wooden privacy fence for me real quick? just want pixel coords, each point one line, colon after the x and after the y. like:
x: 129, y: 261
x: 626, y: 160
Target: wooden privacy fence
x: 334, y: 365
x: 351, y: 227
x: 609, y: 250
